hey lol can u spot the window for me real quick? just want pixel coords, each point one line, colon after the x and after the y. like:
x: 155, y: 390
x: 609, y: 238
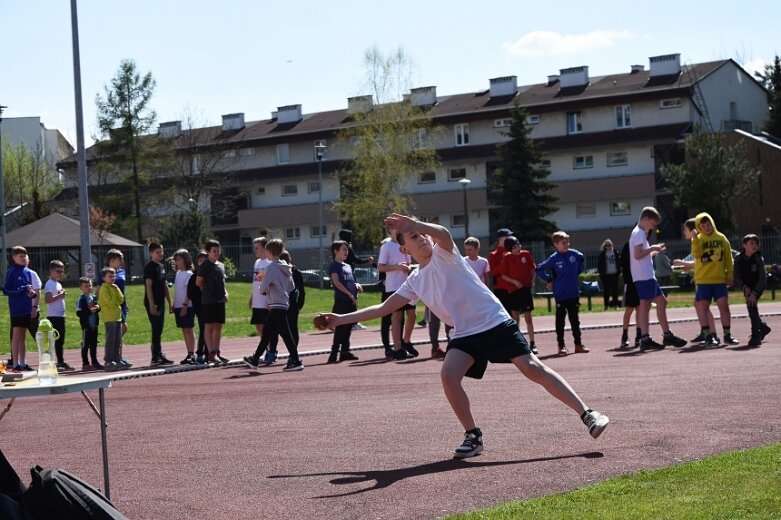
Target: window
x: 283, y: 153
x: 623, y: 116
x: 620, y: 208
x: 260, y: 191
x: 317, y: 231
x: 427, y: 178
x: 670, y: 103
x: 583, y: 161
x: 420, y: 139
x: 245, y: 152
x: 288, y: 190
x: 228, y: 154
x: 617, y: 159
x: 458, y: 220
x: 462, y: 135
x: 586, y: 210
x: 574, y: 122
x: 429, y: 219
x: 314, y: 186
x: 292, y: 233
x: 503, y: 123
x: 195, y: 164
x: 455, y: 174
x: 533, y: 119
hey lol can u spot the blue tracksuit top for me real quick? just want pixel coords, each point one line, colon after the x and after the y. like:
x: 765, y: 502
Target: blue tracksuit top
x: 17, y: 278
x: 566, y: 267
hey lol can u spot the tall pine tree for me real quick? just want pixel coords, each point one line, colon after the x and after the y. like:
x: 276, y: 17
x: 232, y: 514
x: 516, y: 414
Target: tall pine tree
x: 519, y: 184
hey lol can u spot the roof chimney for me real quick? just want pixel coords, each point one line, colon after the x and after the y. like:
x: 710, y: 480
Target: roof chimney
x: 504, y: 86
x: 552, y: 79
x: 233, y: 121
x: 170, y: 129
x: 289, y: 114
x: 636, y: 68
x: 359, y: 104
x: 574, y: 76
x: 665, y: 65
x: 423, y: 96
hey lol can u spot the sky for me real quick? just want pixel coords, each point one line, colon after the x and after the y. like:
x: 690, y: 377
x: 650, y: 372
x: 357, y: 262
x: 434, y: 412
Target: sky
x: 215, y: 57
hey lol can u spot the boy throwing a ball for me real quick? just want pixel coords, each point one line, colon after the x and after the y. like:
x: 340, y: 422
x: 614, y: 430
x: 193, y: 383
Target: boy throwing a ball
x: 482, y: 329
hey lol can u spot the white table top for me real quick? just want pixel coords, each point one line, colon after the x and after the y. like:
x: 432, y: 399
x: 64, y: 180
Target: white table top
x: 30, y: 387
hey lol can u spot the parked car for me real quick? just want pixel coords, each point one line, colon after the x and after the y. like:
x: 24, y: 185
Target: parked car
x: 312, y: 278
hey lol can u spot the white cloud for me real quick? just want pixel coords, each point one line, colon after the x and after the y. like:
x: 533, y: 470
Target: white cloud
x: 757, y: 65
x: 548, y: 43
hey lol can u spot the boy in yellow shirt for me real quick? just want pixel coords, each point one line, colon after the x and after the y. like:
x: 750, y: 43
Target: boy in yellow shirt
x: 110, y: 300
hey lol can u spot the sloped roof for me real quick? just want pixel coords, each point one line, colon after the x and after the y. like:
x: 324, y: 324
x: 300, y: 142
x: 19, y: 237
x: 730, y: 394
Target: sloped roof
x: 57, y: 230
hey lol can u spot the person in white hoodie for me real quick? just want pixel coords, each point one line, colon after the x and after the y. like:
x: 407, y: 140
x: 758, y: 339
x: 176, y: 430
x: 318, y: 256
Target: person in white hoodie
x: 276, y: 285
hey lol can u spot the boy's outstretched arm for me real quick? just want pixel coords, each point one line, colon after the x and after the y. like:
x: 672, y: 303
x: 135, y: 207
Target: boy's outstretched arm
x: 403, y: 224
x: 393, y: 303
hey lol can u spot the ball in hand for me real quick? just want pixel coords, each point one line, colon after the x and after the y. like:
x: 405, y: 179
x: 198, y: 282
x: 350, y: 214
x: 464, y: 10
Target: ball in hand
x: 320, y: 322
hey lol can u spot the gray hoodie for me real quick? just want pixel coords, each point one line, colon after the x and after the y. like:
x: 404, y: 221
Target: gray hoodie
x: 277, y: 284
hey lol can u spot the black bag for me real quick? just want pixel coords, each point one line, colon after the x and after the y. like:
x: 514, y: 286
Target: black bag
x: 58, y: 494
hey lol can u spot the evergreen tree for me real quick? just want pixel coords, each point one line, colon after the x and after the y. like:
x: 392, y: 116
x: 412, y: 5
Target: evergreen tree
x: 771, y: 80
x: 519, y: 184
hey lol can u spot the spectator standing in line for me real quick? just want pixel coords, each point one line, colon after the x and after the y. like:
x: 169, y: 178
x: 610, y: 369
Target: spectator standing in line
x: 397, y: 266
x: 516, y: 274
x: 345, y: 300
x: 609, y: 267
x: 184, y: 313
x: 87, y: 310
x: 54, y: 295
x: 210, y: 279
x: 21, y: 293
x: 352, y: 260
x: 494, y: 260
x: 750, y: 268
x: 194, y: 295
x: 155, y: 297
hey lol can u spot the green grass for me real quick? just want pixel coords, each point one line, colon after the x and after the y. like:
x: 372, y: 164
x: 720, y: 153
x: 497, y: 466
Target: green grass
x: 740, y: 485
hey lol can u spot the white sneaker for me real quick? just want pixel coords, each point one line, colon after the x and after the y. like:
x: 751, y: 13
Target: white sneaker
x: 596, y: 423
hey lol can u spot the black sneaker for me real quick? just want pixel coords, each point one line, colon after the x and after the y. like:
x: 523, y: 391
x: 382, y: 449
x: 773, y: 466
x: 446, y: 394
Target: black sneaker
x: 700, y: 338
x: 764, y: 330
x: 534, y: 350
x: 649, y: 344
x: 755, y: 340
x: 155, y: 362
x: 711, y: 341
x: 595, y: 421
x: 251, y: 362
x: 162, y: 360
x: 348, y: 356
x: 222, y: 359
x: 729, y: 340
x: 293, y: 366
x: 125, y: 363
x: 401, y: 354
x: 188, y: 360
x: 472, y: 445
x: 64, y: 367
x: 671, y: 339
x: 333, y: 357
x: 200, y: 359
x: 411, y: 350
x: 389, y: 353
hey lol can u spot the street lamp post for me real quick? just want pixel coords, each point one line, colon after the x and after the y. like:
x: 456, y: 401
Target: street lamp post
x: 3, y: 245
x: 464, y: 183
x: 320, y: 149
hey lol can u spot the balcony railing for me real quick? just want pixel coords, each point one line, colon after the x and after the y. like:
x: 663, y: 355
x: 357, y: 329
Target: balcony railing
x: 728, y: 125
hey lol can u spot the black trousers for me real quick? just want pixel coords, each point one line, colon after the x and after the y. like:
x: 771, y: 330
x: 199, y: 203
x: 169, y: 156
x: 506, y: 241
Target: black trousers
x: 610, y: 289
x: 342, y: 333
x: 58, y: 322
x: 277, y: 324
x: 89, y: 345
x: 157, y: 323
x: 563, y: 308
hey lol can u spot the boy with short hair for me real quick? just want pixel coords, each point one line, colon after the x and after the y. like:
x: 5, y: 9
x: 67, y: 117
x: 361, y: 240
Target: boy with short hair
x: 210, y: 280
x: 648, y: 291
x: 478, y: 263
x: 155, y: 296
x: 20, y: 291
x: 713, y: 272
x: 482, y: 329
x: 345, y: 300
x: 54, y: 296
x: 516, y: 274
x: 750, y: 268
x: 110, y: 300
x: 258, y: 302
x: 565, y: 265
x: 87, y: 310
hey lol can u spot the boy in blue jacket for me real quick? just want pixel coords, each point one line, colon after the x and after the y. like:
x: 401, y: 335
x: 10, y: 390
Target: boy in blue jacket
x: 561, y: 270
x: 19, y: 289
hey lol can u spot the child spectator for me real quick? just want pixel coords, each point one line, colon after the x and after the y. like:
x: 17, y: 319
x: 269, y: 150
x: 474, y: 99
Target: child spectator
x: 297, y: 298
x: 54, y: 296
x: 478, y: 263
x: 110, y: 301
x: 194, y: 295
x: 258, y: 302
x: 609, y: 267
x: 184, y: 314
x: 631, y: 300
x: 87, y: 310
x: 515, y: 274
x: 345, y: 300
x: 397, y: 266
x: 713, y: 273
x: 648, y: 290
x: 211, y: 281
x: 21, y: 293
x: 155, y: 297
x: 565, y: 264
x: 494, y: 259
x: 483, y: 331
x: 276, y: 285
x: 750, y: 268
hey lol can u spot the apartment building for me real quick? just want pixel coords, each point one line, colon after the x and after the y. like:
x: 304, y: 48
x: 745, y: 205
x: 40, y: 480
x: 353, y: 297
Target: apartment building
x: 604, y: 139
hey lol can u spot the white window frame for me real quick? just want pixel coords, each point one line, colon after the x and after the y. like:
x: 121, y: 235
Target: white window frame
x: 292, y: 233
x: 458, y: 220
x: 455, y: 178
x: 582, y: 162
x: 503, y: 123
x: 620, y: 208
x: 195, y: 164
x: 313, y: 231
x: 230, y: 153
x: 624, y: 116
x: 246, y: 152
x: 433, y: 179
x: 461, y: 134
x: 283, y: 153
x: 665, y: 104
x: 420, y: 139
x: 289, y: 190
x: 617, y: 159
x: 574, y: 123
x: 260, y: 190
x: 545, y: 163
x: 533, y: 119
x: 586, y: 211
x: 313, y: 186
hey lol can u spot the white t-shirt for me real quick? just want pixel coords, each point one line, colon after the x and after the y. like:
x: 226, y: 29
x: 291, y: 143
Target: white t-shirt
x: 57, y: 307
x: 259, y: 301
x: 479, y: 266
x: 390, y: 254
x: 642, y: 269
x: 36, y: 280
x: 180, y: 287
x: 453, y: 292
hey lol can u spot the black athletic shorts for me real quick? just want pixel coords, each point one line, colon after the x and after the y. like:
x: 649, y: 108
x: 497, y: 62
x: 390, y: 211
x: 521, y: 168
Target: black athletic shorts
x: 631, y: 299
x: 213, y: 312
x: 23, y: 321
x: 259, y: 316
x: 522, y: 300
x: 497, y: 345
